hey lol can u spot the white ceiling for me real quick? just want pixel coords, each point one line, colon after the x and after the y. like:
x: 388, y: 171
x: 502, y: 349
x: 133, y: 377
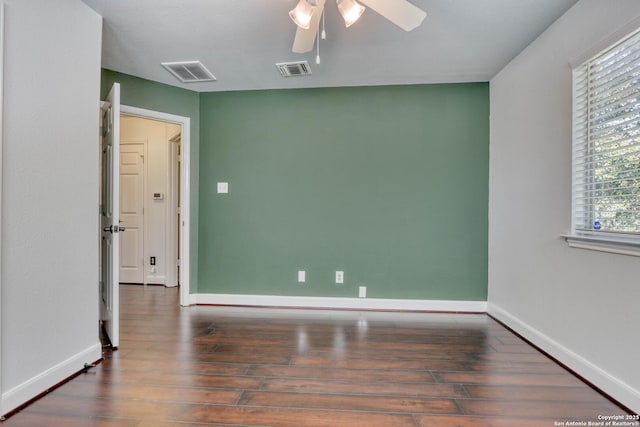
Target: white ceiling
x: 241, y: 40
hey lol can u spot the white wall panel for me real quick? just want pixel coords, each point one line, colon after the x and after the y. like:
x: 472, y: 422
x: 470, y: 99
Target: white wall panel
x: 579, y: 305
x: 50, y: 200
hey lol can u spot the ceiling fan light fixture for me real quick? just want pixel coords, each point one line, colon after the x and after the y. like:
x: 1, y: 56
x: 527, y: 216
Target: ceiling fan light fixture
x: 350, y: 10
x: 302, y: 13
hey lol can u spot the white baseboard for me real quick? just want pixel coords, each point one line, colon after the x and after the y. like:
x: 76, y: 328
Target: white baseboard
x: 31, y: 388
x: 340, y: 303
x: 606, y: 382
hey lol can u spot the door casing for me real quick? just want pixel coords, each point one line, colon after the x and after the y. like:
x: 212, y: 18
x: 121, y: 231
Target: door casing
x: 185, y: 188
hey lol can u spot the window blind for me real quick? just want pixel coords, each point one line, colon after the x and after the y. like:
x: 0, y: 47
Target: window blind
x: 606, y: 141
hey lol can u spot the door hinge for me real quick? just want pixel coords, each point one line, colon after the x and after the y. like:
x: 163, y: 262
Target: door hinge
x: 178, y: 211
x: 178, y: 262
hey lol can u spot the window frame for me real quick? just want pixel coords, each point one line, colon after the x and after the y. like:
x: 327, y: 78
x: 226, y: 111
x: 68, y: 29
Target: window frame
x: 613, y: 242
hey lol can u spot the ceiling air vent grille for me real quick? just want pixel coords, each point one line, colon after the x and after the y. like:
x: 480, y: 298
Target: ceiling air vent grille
x: 293, y: 69
x: 189, y: 72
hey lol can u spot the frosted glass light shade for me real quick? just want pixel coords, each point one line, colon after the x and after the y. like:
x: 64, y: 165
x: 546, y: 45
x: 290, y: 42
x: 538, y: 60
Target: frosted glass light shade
x: 350, y: 10
x: 302, y: 13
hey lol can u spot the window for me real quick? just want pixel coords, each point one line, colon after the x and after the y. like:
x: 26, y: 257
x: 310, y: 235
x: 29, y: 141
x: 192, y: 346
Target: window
x: 606, y: 145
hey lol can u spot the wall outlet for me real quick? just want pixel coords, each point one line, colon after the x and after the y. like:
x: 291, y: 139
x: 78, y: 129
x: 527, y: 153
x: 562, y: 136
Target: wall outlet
x: 362, y: 291
x: 302, y: 276
x: 339, y: 277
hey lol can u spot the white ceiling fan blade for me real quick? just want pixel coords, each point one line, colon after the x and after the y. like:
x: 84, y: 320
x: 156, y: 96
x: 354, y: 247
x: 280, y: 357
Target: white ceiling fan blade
x: 305, y: 39
x: 402, y: 13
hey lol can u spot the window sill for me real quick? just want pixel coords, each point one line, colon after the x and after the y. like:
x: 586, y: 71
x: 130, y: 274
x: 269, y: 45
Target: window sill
x: 597, y: 243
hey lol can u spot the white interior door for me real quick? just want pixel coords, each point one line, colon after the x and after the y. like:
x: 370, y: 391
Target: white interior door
x: 132, y: 212
x: 109, y: 295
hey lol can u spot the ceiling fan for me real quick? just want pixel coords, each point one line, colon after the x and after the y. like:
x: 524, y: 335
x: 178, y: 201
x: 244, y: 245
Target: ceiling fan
x: 307, y: 14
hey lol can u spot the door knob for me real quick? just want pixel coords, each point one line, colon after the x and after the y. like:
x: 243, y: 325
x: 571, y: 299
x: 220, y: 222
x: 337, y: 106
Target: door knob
x: 114, y: 228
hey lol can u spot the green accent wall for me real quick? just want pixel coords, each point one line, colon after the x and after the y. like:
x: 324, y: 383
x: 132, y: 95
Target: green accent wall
x: 141, y: 93
x: 389, y: 184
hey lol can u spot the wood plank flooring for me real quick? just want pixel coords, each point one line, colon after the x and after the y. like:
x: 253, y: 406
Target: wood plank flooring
x: 221, y: 366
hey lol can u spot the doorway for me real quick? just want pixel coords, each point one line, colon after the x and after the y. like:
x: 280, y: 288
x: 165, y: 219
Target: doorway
x: 149, y: 201
x: 158, y: 165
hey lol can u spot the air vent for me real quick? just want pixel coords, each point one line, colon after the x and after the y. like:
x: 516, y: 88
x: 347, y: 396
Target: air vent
x: 293, y: 69
x: 189, y: 72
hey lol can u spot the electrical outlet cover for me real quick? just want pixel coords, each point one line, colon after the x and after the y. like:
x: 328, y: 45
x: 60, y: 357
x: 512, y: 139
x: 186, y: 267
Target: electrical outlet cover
x: 339, y: 277
x: 302, y: 276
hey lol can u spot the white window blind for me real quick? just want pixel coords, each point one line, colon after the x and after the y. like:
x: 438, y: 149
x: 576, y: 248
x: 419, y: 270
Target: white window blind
x: 606, y: 142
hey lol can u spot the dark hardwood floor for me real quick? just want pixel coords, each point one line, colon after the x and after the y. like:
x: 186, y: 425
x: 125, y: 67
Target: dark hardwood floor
x: 220, y: 366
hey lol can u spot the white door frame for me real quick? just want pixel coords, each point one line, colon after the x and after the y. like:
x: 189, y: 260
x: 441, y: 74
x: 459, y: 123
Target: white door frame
x: 1, y: 144
x: 172, y: 234
x: 185, y: 190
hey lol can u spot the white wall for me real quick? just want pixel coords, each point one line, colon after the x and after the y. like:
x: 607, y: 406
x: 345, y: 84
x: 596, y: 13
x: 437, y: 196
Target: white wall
x: 50, y: 195
x: 581, y: 306
x: 155, y: 135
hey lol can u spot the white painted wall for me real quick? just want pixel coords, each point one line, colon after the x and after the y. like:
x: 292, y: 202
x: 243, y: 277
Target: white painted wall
x: 155, y: 134
x: 50, y: 195
x: 581, y: 306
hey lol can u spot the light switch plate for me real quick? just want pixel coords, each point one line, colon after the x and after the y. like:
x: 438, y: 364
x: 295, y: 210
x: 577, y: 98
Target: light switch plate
x: 223, y: 187
x: 362, y: 291
x: 302, y: 276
